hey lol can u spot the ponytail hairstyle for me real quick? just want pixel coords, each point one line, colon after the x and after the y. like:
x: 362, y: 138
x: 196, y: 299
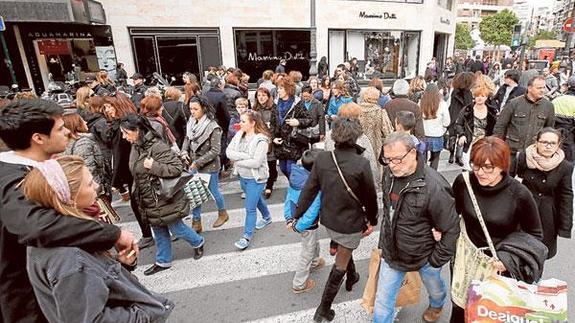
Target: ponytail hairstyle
x: 207, y: 108
x: 260, y: 126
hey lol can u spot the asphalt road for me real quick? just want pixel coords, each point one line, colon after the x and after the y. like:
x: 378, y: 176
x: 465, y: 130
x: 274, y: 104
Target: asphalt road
x: 227, y: 285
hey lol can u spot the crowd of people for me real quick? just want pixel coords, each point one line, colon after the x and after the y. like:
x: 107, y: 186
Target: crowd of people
x: 336, y: 143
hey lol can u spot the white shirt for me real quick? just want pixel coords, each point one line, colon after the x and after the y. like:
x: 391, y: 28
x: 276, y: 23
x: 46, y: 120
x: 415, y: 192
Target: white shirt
x: 437, y: 127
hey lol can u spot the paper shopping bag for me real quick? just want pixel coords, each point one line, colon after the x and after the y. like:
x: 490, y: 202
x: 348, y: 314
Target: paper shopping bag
x: 410, y: 289
x: 370, y: 290
x: 502, y: 299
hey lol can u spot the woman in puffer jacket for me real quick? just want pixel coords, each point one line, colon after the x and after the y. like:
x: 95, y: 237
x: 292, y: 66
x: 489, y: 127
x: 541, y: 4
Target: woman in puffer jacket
x: 202, y: 149
x: 150, y: 160
x: 248, y: 150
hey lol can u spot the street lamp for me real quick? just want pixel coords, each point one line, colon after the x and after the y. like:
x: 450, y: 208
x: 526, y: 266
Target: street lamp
x: 313, y: 41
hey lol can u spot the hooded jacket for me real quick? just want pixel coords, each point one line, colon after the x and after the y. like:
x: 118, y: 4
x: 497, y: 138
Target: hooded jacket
x: 250, y: 156
x: 23, y: 222
x: 309, y: 219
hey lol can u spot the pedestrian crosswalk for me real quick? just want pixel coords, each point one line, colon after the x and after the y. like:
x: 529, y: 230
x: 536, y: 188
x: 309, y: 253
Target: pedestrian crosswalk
x: 228, y: 285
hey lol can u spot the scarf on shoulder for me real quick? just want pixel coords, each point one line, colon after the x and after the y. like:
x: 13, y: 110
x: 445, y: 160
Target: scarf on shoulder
x: 169, y: 134
x: 536, y: 161
x: 195, y: 129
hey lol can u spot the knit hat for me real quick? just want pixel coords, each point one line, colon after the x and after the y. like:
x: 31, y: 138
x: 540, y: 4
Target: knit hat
x: 400, y: 87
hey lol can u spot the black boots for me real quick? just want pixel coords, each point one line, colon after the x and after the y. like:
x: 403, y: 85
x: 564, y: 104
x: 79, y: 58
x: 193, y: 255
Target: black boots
x: 324, y: 311
x: 352, y: 275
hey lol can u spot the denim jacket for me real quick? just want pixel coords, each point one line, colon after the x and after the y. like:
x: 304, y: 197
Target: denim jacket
x: 309, y: 219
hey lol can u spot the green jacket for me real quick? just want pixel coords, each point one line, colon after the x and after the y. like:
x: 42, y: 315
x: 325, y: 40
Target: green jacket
x: 154, y: 210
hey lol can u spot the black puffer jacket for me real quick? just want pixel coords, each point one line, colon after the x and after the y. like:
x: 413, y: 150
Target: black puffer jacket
x: 289, y: 148
x: 156, y: 211
x: 425, y: 203
x: 465, y: 123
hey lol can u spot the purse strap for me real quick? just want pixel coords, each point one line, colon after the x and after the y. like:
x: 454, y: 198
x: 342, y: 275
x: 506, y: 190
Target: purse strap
x: 349, y: 190
x: 479, y: 215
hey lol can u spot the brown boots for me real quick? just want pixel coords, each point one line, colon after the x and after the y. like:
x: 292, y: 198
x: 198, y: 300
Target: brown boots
x: 223, y: 217
x: 197, y: 225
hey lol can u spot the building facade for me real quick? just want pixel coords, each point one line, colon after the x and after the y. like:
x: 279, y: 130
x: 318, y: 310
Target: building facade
x: 471, y: 12
x: 561, y: 11
x: 390, y: 39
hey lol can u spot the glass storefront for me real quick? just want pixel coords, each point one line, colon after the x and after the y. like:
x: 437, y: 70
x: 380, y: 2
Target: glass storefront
x: 171, y: 52
x: 260, y: 50
x: 383, y: 54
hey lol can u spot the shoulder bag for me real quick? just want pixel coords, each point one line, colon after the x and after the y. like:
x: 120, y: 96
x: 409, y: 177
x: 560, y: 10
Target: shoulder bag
x: 170, y: 186
x: 471, y: 263
x: 349, y: 190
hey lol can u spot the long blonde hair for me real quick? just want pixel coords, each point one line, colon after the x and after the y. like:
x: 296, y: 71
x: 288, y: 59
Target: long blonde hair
x: 103, y: 79
x: 36, y: 188
x: 82, y: 96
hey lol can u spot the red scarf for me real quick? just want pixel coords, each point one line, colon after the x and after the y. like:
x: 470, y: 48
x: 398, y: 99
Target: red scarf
x: 171, y: 137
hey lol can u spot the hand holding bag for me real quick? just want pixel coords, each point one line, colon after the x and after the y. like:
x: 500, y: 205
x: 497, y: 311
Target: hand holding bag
x: 470, y: 263
x: 197, y: 192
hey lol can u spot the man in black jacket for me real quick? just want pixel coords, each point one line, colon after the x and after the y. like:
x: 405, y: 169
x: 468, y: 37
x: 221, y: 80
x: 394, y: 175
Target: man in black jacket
x: 477, y: 65
x: 34, y: 130
x: 137, y: 92
x: 316, y: 113
x: 418, y: 204
x: 217, y: 99
x: 509, y: 91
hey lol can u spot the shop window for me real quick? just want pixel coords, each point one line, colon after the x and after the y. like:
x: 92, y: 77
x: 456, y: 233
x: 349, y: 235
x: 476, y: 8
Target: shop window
x: 145, y: 56
x: 178, y: 55
x: 260, y: 50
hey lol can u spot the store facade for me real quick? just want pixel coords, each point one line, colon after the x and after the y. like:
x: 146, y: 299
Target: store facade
x: 390, y: 39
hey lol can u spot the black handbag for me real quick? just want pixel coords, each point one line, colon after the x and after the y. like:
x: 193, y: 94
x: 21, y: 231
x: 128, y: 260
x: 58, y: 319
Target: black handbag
x: 170, y: 186
x: 306, y: 135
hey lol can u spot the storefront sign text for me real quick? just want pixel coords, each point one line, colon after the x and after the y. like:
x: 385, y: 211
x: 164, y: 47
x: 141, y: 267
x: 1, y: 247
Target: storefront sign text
x: 445, y: 21
x: 385, y: 15
x: 287, y: 56
x: 70, y: 34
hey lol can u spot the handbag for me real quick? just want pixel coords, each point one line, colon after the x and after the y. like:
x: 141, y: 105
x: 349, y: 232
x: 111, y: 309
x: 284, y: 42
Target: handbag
x: 408, y: 293
x: 471, y: 263
x: 306, y: 135
x: 197, y: 192
x: 349, y: 190
x: 170, y: 186
x: 107, y: 213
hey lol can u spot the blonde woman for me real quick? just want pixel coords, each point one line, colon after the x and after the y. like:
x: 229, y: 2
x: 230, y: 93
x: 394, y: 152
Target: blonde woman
x: 105, y: 81
x: 416, y: 88
x: 82, y: 96
x: 73, y: 279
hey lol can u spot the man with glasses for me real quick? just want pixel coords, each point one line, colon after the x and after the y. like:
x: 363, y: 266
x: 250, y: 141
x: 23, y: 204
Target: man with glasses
x: 419, y: 228
x: 523, y: 117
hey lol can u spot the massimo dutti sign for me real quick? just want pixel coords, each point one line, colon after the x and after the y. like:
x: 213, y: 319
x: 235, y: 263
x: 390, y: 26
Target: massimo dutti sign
x: 383, y: 15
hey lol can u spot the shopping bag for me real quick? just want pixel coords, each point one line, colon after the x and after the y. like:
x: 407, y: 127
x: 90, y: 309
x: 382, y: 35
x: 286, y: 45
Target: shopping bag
x: 410, y: 290
x: 197, y: 192
x: 368, y: 299
x: 408, y: 293
x: 502, y: 299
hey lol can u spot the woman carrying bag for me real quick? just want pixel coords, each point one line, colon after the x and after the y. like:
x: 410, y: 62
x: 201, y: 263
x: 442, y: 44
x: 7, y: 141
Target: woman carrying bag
x: 505, y: 207
x: 547, y: 174
x: 150, y: 160
x: 248, y: 150
x: 202, y: 149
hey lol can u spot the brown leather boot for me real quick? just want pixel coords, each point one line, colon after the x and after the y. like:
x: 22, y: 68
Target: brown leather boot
x: 223, y: 217
x: 432, y: 314
x: 197, y: 225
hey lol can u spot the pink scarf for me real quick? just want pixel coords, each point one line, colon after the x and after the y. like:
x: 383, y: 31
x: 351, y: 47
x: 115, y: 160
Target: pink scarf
x: 171, y: 137
x: 536, y: 161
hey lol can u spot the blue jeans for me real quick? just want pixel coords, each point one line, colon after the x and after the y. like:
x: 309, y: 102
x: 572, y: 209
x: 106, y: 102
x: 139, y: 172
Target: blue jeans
x: 213, y: 187
x: 253, y: 202
x: 388, y: 287
x: 164, y: 242
x: 285, y: 166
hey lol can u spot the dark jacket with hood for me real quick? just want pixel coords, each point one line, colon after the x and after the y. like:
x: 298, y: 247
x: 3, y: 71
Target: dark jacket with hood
x: 523, y: 256
x: 217, y: 99
x: 155, y: 210
x: 425, y: 203
x: 465, y: 123
x: 24, y: 223
x: 339, y: 211
x: 73, y: 285
x: 460, y: 98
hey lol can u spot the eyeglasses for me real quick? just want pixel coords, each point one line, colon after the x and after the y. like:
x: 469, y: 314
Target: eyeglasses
x: 548, y: 143
x: 394, y: 160
x: 487, y: 169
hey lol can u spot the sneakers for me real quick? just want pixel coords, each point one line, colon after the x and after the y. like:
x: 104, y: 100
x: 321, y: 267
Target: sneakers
x: 263, y: 223
x: 145, y: 243
x: 154, y: 269
x: 320, y: 264
x: 242, y: 244
x: 243, y: 196
x: 309, y: 285
x: 432, y: 314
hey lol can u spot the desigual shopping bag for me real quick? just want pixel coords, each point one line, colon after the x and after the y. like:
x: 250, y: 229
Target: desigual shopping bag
x: 502, y: 299
x: 408, y: 293
x: 197, y: 192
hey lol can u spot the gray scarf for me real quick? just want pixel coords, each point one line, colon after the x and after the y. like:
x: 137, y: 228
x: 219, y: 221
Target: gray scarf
x: 195, y: 130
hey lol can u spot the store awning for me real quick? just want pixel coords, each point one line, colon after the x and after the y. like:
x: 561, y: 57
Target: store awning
x: 67, y: 11
x: 549, y: 43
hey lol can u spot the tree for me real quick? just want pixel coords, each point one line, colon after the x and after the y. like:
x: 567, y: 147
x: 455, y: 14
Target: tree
x: 542, y: 34
x: 463, y: 38
x: 497, y: 29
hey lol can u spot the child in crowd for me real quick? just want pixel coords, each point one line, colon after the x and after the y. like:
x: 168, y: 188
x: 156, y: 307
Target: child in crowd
x: 405, y: 122
x: 307, y: 225
x: 234, y: 126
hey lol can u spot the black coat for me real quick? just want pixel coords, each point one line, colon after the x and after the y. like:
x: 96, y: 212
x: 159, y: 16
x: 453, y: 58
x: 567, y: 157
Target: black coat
x: 121, y: 151
x: 553, y: 194
x: 175, y: 114
x: 232, y: 93
x: 24, y: 222
x: 316, y: 114
x: 476, y: 66
x: 425, y: 203
x: 339, y: 211
x: 459, y: 99
x: 465, y: 123
x: 217, y: 99
x: 289, y: 148
x: 497, y: 99
x: 523, y: 256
